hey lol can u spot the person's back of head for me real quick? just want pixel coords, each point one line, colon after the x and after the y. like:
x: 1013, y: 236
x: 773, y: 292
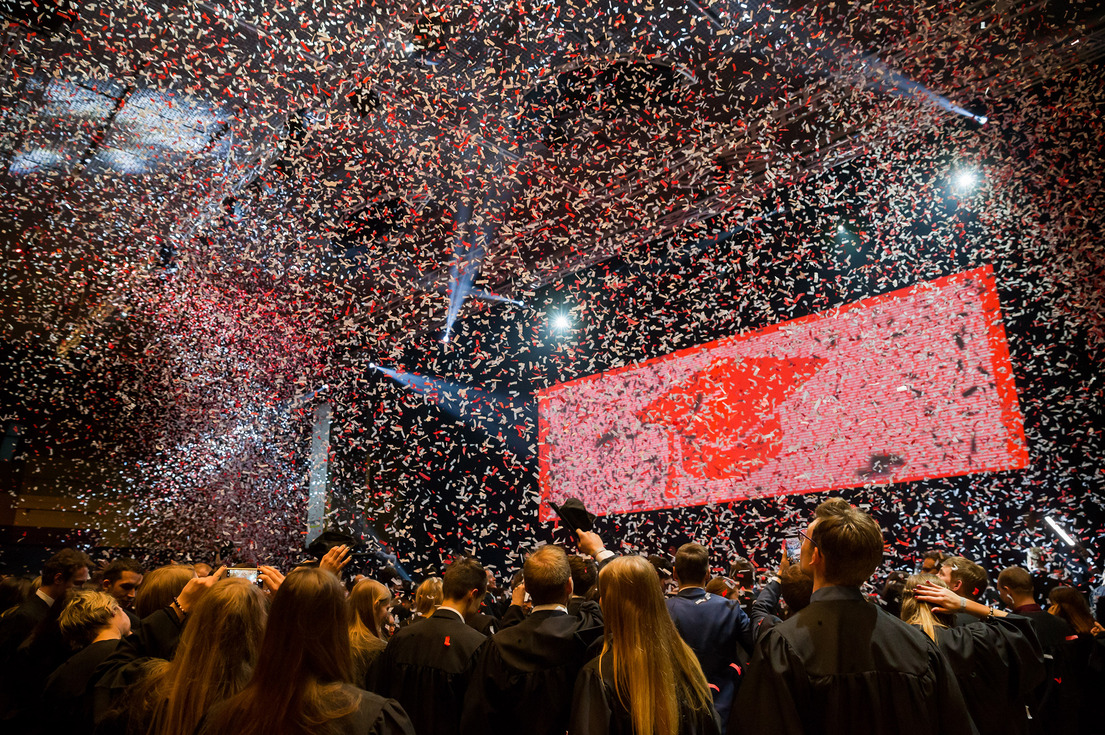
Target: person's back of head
x: 796, y: 587
x: 547, y: 575
x: 891, y: 595
x: 849, y: 540
x: 964, y: 576
x: 160, y: 587
x: 428, y: 596
x: 1015, y: 586
x: 15, y: 591
x: 662, y: 566
x: 743, y: 572
x: 919, y: 613
x: 653, y: 668
x: 217, y: 652
x: 692, y: 565
x: 585, y: 573
x: 463, y: 576
x: 304, y: 665
x: 1069, y: 604
x: 721, y: 586
x: 87, y: 613
x: 367, y: 600
x: 63, y: 570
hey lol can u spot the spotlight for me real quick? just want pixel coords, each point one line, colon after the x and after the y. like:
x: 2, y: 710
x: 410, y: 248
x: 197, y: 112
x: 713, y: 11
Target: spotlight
x: 561, y: 322
x: 1059, y: 530
x: 964, y: 180
x: 840, y: 228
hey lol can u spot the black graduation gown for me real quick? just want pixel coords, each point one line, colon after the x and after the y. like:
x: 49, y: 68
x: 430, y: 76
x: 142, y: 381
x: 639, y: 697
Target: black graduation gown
x: 524, y: 675
x: 998, y: 664
x: 843, y: 664
x: 1057, y: 698
x: 596, y: 709
x: 426, y: 667
x: 374, y: 716
x: 157, y: 637
x: 67, y: 695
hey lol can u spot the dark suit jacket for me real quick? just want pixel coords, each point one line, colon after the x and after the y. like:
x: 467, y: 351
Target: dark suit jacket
x: 719, y: 633
x: 426, y: 667
x: 842, y: 665
x: 525, y: 674
x: 18, y: 623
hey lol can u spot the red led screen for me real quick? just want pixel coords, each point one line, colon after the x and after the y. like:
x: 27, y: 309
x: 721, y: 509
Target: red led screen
x: 910, y: 385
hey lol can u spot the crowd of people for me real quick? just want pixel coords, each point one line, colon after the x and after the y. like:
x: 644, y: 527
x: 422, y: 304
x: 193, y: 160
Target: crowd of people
x: 586, y: 641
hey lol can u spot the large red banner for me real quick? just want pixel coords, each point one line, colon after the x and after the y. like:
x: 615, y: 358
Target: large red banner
x: 910, y: 385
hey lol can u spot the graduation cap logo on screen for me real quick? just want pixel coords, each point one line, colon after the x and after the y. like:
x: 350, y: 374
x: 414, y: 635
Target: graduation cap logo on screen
x: 722, y: 421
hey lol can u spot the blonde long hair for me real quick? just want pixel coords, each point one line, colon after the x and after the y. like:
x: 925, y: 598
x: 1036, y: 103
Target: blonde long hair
x: 428, y: 596
x: 920, y: 613
x: 654, y: 670
x: 214, y: 660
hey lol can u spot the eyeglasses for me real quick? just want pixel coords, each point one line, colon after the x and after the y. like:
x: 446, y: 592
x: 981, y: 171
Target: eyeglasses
x: 804, y: 535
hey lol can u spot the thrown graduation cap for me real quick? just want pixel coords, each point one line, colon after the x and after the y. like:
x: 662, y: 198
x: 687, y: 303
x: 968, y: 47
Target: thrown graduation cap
x: 328, y: 540
x: 574, y: 514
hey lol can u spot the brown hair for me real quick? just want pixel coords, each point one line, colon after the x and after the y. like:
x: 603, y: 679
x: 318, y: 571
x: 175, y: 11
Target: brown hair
x: 654, y: 670
x: 159, y: 587
x: 692, y: 564
x: 584, y: 573
x: 1072, y: 607
x: 546, y: 574
x: 849, y: 540
x: 66, y: 563
x: 916, y: 612
x: 974, y: 578
x: 428, y: 596
x: 464, y: 575
x: 1016, y: 579
x: 796, y: 587
x: 304, y: 662
x: 214, y: 660
x: 85, y: 613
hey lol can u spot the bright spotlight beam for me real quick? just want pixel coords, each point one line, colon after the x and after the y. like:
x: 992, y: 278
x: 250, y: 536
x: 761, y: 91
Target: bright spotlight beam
x: 479, y: 293
x: 1059, y: 530
x: 881, y: 75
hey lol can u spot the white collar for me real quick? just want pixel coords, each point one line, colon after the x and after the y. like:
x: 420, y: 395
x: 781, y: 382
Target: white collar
x: 45, y: 597
x: 452, y: 610
x: 550, y: 606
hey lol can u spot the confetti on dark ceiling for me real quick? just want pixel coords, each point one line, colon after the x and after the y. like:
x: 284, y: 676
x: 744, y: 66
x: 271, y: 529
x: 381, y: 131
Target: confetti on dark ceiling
x: 212, y: 209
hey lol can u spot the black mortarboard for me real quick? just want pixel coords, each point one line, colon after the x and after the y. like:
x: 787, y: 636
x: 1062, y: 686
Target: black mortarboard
x: 574, y: 514
x: 328, y: 540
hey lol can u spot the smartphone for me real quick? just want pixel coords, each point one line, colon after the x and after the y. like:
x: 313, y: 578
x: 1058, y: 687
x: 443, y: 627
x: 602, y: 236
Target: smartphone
x: 249, y: 573
x: 794, y: 547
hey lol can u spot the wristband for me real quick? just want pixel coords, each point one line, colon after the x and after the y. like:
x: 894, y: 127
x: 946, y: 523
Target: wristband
x: 962, y: 603
x: 179, y: 607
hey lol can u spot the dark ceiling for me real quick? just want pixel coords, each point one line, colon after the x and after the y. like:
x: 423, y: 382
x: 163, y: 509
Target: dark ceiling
x: 341, y: 156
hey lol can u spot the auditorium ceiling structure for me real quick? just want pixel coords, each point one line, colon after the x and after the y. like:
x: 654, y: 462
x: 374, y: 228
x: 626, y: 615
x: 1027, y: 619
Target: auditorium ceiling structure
x: 205, y: 206
x: 353, y: 156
